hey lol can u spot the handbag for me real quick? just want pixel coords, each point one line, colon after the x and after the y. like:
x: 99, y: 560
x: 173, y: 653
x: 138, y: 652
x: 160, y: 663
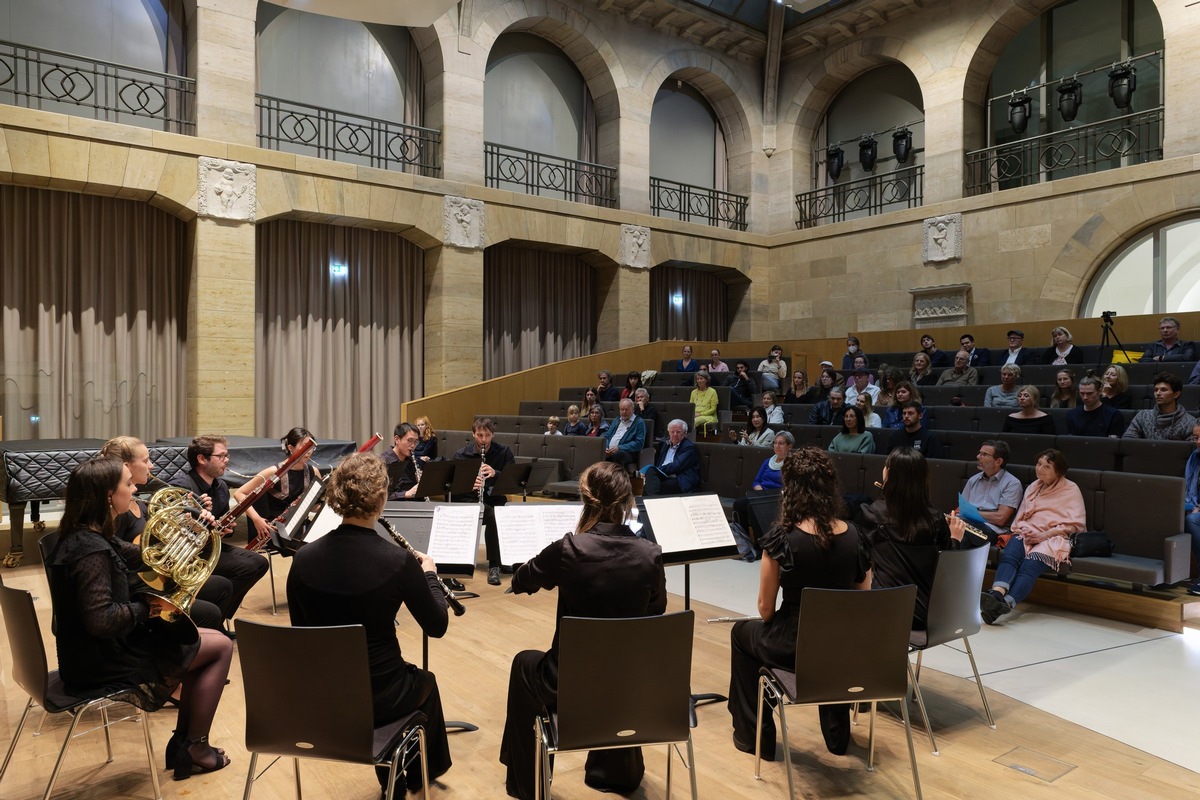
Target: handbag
x: 1091, y: 544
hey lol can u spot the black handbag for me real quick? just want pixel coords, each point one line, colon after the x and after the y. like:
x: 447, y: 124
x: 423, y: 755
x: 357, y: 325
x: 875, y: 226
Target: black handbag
x: 1091, y: 544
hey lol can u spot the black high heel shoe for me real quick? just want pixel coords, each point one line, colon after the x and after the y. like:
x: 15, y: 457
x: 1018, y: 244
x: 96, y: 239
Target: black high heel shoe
x: 185, y: 765
x: 173, y: 744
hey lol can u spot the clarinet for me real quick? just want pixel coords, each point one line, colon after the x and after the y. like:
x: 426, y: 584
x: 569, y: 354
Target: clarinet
x: 455, y: 604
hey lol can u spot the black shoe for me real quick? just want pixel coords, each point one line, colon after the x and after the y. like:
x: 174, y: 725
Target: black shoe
x: 186, y: 767
x: 1194, y: 587
x: 493, y: 576
x: 991, y: 607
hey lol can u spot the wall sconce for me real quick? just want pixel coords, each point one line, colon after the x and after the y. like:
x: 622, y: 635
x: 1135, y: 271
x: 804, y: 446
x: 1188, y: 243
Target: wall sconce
x: 902, y: 142
x: 1122, y: 81
x: 835, y: 159
x: 1070, y: 98
x: 1018, y: 112
x: 868, y: 152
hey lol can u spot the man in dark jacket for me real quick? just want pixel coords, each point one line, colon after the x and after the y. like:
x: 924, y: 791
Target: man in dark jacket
x: 676, y: 467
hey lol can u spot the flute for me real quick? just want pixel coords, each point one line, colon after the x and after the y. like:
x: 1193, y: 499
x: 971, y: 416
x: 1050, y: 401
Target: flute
x: 455, y: 604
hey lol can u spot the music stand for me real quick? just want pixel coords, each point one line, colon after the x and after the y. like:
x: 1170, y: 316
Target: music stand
x: 436, y: 479
x: 464, y: 476
x: 544, y: 471
x: 514, y: 479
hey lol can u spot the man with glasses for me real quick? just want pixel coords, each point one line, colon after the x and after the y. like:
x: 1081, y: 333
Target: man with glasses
x: 993, y: 490
x: 1170, y: 347
x: 1016, y: 353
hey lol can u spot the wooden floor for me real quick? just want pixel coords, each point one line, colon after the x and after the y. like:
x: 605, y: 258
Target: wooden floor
x: 472, y: 664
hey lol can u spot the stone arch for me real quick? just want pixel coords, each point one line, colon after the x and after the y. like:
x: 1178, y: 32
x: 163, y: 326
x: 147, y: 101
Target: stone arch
x: 429, y: 42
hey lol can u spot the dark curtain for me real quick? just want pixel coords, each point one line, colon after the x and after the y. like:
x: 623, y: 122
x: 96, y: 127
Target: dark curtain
x: 703, y: 313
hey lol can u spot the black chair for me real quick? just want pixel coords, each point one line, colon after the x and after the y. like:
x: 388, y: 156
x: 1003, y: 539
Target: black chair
x: 45, y: 688
x: 862, y: 641
x: 953, y: 615
x: 600, y: 707
x: 328, y: 725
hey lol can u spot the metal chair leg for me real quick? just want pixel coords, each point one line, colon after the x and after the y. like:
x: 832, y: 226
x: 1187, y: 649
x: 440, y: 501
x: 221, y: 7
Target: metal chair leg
x: 979, y: 682
x: 916, y: 690
x: 271, y: 571
x: 787, y: 751
x: 691, y: 768
x: 144, y: 720
x: 424, y: 763
x: 250, y: 776
x: 912, y: 750
x: 762, y: 688
x: 16, y: 735
x: 670, y: 758
x: 871, y: 741
x: 62, y: 754
x: 104, y: 723
x: 299, y: 790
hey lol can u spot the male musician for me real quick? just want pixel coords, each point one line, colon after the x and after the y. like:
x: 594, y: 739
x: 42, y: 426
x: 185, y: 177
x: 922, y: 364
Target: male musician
x: 496, y: 457
x: 402, y: 476
x: 209, y: 457
x: 676, y: 467
x: 624, y: 440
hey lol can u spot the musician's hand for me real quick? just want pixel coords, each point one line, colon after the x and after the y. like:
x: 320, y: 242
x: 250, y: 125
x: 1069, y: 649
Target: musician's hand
x: 479, y: 481
x: 206, y: 517
x: 206, y: 501
x: 958, y: 526
x: 158, y: 606
x: 486, y: 472
x: 262, y: 526
x: 427, y: 563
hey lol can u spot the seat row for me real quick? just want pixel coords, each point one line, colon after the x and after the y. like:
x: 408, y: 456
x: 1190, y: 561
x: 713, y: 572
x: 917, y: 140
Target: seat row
x: 1141, y: 393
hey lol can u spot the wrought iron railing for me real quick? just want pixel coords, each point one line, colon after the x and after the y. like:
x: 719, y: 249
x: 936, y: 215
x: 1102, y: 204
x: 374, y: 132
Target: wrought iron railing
x: 47, y: 79
x: 875, y: 194
x: 697, y: 204
x: 342, y: 136
x: 546, y: 175
x: 1121, y: 141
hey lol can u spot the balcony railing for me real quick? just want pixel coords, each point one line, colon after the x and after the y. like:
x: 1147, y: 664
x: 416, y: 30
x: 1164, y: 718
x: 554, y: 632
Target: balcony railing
x: 81, y: 86
x: 865, y: 197
x: 342, y: 136
x: 549, y: 176
x: 697, y: 204
x: 1121, y: 141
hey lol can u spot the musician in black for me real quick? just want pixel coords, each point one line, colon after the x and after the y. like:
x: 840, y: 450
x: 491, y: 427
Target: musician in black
x: 352, y: 576
x: 290, y: 487
x: 401, y: 464
x: 209, y: 457
x: 497, y: 458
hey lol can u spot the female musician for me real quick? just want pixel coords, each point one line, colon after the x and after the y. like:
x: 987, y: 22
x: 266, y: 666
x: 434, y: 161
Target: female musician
x: 211, y: 608
x: 351, y: 576
x: 427, y: 447
x: 290, y: 486
x: 819, y: 550
x: 103, y: 637
x: 601, y: 570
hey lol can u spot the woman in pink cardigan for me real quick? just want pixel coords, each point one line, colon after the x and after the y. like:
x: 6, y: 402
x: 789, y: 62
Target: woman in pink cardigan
x: 1050, y: 512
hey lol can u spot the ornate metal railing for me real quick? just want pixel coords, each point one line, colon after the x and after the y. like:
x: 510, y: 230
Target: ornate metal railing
x: 546, y: 175
x: 342, y: 136
x: 46, y: 79
x: 697, y: 204
x: 1121, y: 141
x: 876, y: 194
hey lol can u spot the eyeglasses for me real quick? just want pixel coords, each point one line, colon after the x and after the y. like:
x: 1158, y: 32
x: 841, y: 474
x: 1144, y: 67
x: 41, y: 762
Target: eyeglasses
x: 222, y: 456
x: 982, y: 454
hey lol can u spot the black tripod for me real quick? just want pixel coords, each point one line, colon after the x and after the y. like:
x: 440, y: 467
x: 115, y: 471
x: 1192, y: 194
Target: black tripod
x: 1106, y: 327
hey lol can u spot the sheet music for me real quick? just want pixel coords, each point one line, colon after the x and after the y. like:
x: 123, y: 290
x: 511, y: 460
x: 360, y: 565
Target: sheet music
x: 454, y: 537
x: 708, y: 520
x: 684, y: 523
x: 524, y: 530
x: 326, y: 521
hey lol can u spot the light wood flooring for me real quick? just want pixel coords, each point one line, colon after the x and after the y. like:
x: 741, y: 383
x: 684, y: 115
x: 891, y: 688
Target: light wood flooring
x: 472, y: 664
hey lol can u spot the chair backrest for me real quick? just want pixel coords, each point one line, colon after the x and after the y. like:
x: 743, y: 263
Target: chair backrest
x: 29, y: 668
x: 954, y: 599
x: 46, y: 546
x: 624, y: 681
x: 308, y: 691
x: 852, y: 645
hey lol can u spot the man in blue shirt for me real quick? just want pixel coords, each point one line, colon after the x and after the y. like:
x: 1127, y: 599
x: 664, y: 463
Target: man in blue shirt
x: 626, y: 438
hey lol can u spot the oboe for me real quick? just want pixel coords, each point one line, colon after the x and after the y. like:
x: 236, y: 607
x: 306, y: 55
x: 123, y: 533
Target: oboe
x: 455, y: 604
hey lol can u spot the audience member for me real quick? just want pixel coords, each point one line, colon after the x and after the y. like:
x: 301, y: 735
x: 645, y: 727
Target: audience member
x: 860, y: 362
x: 978, y: 356
x: 597, y: 425
x: 633, y: 382
x: 1028, y: 418
x: 893, y: 417
x: 922, y: 373
x: 624, y: 440
x: 676, y: 467
x: 1004, y: 395
x: 1114, y: 390
x: 704, y: 399
x: 590, y: 398
x: 870, y: 418
x: 1092, y: 417
x: 773, y: 368
x: 828, y: 412
x: 1191, y: 502
x: 427, y: 446
x: 914, y: 434
x: 1062, y: 351
x: 852, y: 351
x: 773, y: 409
x: 715, y: 364
x: 939, y: 359
x: 800, y: 391
x: 552, y: 426
x: 854, y: 437
x: 1194, y: 378
x: 605, y: 390
x: 1170, y: 347
x: 756, y: 433
x: 960, y: 374
x: 993, y: 490
x: 888, y: 379
x: 1064, y: 395
x: 861, y: 385
x: 687, y: 364
x: 741, y: 387
x: 1168, y: 419
x: 826, y: 381
x: 768, y: 479
x: 1017, y: 354
x: 575, y: 425
x: 644, y: 408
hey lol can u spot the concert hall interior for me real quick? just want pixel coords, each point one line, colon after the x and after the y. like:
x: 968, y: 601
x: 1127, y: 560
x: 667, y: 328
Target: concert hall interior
x: 232, y: 217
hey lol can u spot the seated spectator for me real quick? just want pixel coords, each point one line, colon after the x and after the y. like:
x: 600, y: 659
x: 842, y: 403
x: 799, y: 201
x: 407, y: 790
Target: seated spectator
x: 624, y: 440
x: 1194, y: 378
x: 993, y: 490
x: 1170, y: 347
x: 1017, y: 354
x: 914, y: 434
x: 960, y: 374
x: 826, y: 381
x: 1064, y: 395
x: 597, y: 425
x: 1028, y: 418
x: 644, y: 408
x: 1114, y: 389
x: 575, y: 425
x: 1168, y: 419
x: 800, y: 391
x: 741, y: 387
x: 938, y: 359
x: 860, y: 362
x: 978, y: 356
x: 687, y: 364
x: 774, y: 411
x: 1051, y: 510
x: 1061, y: 352
x: 870, y: 418
x: 888, y: 379
x: 768, y: 479
x: 922, y: 373
x: 905, y: 391
x: 552, y: 427
x: 1191, y: 503
x: 715, y: 364
x: 852, y: 351
x: 1004, y: 395
x: 605, y: 389
x: 861, y: 385
x: 427, y: 445
x: 1092, y: 417
x: 633, y: 382
x: 676, y: 467
x: 704, y: 398
x: 590, y: 398
x: 829, y: 412
x: 774, y: 369
x: 854, y: 437
x: 756, y: 433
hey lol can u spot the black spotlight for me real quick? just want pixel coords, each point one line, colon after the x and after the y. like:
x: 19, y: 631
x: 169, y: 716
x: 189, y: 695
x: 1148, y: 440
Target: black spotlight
x: 1018, y: 112
x: 1070, y: 97
x: 902, y: 145
x: 868, y: 151
x: 1122, y: 81
x: 835, y: 159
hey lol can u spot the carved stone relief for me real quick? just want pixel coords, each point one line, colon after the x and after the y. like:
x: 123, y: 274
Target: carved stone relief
x: 226, y: 189
x: 943, y: 239
x: 940, y: 305
x: 462, y: 220
x: 635, y: 246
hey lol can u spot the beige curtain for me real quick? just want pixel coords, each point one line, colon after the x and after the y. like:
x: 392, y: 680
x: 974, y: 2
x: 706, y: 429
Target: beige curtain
x: 538, y: 308
x: 703, y: 313
x: 336, y: 354
x: 93, y: 293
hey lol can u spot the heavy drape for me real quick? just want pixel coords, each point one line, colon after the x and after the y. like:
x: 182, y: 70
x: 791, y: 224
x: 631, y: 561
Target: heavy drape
x: 93, y: 293
x: 336, y: 353
x: 704, y: 309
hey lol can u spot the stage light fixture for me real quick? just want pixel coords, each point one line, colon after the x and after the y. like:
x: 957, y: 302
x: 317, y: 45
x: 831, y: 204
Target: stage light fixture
x: 902, y: 145
x: 1122, y: 82
x: 835, y: 159
x: 868, y: 152
x: 1018, y: 112
x: 1070, y: 98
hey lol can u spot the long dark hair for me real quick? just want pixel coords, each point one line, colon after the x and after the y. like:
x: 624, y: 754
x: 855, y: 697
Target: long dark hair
x: 810, y: 491
x: 88, y: 491
x: 906, y: 493
x: 860, y: 424
x: 294, y: 437
x: 606, y: 493
x: 762, y: 414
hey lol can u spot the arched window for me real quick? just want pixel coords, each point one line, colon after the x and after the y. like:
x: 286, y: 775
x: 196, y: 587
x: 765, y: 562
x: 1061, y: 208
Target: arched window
x: 880, y: 103
x: 1156, y: 273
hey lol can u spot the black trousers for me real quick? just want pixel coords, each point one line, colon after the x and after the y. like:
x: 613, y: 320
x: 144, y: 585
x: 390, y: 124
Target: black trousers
x: 208, y: 610
x: 530, y: 693
x: 656, y: 484
x: 423, y: 696
x: 491, y: 539
x: 243, y: 569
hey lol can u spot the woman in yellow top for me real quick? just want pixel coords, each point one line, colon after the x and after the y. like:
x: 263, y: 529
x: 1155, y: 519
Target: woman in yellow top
x: 704, y: 398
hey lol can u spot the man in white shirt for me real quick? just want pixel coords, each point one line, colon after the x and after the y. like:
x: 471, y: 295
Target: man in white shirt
x: 862, y: 385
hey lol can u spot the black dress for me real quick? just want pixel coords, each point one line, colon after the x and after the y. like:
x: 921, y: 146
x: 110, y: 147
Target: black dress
x: 1043, y: 425
x: 105, y: 641
x: 896, y: 562
x: 756, y: 643
x: 351, y: 576
x: 605, y: 572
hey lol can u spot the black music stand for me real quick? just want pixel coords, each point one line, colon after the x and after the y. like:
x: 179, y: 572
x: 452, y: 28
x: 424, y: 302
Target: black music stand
x: 544, y: 471
x: 514, y: 479
x: 436, y: 479
x: 464, y: 477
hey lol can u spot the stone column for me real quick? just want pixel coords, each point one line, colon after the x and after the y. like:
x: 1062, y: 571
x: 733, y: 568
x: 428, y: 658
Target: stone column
x: 623, y: 293
x: 945, y: 141
x: 222, y: 58
x: 454, y: 299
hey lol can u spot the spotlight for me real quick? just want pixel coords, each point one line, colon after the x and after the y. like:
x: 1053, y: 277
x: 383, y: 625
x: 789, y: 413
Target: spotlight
x: 835, y: 159
x: 1018, y: 112
x: 677, y: 299
x: 868, y: 151
x: 1070, y: 97
x: 1122, y: 81
x: 902, y: 145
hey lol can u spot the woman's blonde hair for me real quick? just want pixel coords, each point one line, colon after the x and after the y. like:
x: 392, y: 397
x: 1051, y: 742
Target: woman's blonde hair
x: 606, y: 493
x: 358, y: 486
x: 429, y: 431
x: 121, y: 447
